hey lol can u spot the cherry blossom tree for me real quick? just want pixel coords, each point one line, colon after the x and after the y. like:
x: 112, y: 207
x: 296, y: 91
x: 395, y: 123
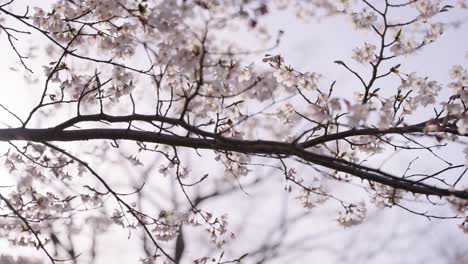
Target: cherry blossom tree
x: 157, y: 117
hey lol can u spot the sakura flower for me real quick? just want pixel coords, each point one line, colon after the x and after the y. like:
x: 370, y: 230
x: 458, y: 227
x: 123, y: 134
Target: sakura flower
x: 435, y: 30
x: 460, y: 79
x: 123, y: 45
x: 38, y: 17
x: 122, y: 81
x: 286, y: 77
x: 203, y: 106
x: 398, y: 48
x: 104, y: 9
x: 460, y: 207
x: 427, y: 93
x: 457, y: 71
x: 364, y: 19
x: 453, y: 108
x: 120, y: 76
x: 235, y: 163
x: 287, y: 115
x: 317, y: 114
x: 354, y: 214
x: 408, y: 82
x: 427, y: 8
x: 404, y: 45
x: 264, y: 89
x: 368, y: 145
x: 218, y: 229
x: 120, y: 42
x: 309, y: 80
x: 357, y: 113
x: 385, y: 196
x: 245, y: 73
x: 43, y: 203
x: 365, y: 54
x: 386, y: 114
x: 312, y: 197
x: 163, y: 17
x: 168, y: 225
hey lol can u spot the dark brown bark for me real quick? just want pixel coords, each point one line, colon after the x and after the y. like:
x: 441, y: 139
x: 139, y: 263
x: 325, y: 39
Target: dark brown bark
x: 208, y: 140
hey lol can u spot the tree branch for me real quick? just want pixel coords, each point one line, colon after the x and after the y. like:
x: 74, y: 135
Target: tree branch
x: 273, y: 149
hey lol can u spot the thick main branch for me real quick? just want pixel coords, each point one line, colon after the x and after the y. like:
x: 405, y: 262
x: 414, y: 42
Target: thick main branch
x: 269, y: 148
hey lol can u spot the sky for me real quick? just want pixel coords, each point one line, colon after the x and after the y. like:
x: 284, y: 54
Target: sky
x: 387, y: 236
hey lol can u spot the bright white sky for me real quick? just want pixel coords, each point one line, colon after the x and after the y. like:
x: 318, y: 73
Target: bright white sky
x: 388, y: 236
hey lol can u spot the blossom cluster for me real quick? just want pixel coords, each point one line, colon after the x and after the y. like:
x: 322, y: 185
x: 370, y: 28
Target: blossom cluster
x: 404, y: 46
x: 312, y: 193
x: 235, y: 163
x: 364, y: 19
x: 287, y: 115
x: 217, y: 228
x: 310, y: 199
x: 427, y: 91
x: 427, y: 8
x: 215, y: 94
x: 168, y: 225
x: 365, y: 54
x: 358, y: 114
x: 385, y: 196
x: 290, y: 78
x: 353, y: 214
x: 459, y: 76
x: 460, y: 207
